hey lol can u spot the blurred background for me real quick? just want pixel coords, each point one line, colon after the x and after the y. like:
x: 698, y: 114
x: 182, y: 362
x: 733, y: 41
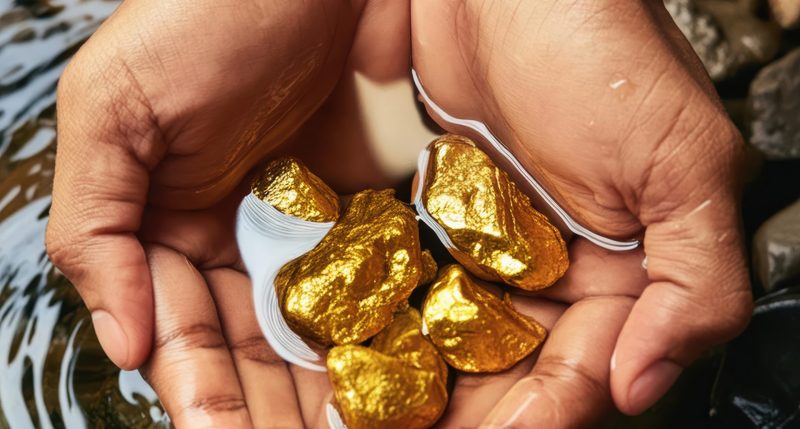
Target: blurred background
x: 53, y: 373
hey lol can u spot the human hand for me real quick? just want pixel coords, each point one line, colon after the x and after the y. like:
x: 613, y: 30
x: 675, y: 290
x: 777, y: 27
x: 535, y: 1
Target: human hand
x: 161, y: 115
x: 606, y: 104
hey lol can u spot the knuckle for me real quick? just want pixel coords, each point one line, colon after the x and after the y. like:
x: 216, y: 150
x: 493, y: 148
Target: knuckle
x: 698, y: 150
x: 64, y: 251
x: 256, y: 350
x: 567, y: 395
x: 558, y: 369
x: 100, y: 93
x: 71, y: 78
x: 193, y: 336
x: 215, y: 404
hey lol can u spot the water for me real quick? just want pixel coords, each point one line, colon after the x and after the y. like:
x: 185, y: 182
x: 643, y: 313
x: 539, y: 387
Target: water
x: 53, y: 373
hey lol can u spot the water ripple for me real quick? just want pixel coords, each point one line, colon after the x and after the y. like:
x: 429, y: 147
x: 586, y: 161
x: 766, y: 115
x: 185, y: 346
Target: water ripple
x: 53, y: 373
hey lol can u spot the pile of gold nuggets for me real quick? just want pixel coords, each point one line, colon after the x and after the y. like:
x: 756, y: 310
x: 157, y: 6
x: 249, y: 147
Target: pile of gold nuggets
x: 388, y: 362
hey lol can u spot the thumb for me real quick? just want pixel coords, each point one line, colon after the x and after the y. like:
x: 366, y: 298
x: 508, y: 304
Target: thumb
x: 699, y: 295
x: 106, y: 145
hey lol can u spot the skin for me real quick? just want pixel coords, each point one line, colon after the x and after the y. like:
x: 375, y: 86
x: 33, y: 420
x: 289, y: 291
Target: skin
x: 166, y: 109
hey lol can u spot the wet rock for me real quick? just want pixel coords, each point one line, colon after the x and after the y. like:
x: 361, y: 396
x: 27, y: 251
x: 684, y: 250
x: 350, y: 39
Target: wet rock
x: 754, y: 41
x: 705, y: 35
x: 774, y: 108
x: 759, y: 383
x: 725, y: 34
x: 785, y: 12
x: 776, y: 248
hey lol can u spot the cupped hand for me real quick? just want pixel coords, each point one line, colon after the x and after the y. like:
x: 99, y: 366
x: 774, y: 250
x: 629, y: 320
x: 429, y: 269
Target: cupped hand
x: 160, y: 116
x: 606, y: 104
x: 163, y: 112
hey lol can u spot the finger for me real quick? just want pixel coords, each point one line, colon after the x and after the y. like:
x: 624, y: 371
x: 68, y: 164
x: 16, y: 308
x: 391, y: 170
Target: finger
x: 190, y: 368
x: 265, y: 379
x: 322, y: 421
x: 699, y: 297
x: 474, y: 395
x: 106, y: 145
x: 568, y: 386
x: 205, y: 237
x: 314, y: 391
x: 595, y: 271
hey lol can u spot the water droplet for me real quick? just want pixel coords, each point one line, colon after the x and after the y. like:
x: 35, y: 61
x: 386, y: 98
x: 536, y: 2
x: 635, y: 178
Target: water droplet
x: 622, y: 86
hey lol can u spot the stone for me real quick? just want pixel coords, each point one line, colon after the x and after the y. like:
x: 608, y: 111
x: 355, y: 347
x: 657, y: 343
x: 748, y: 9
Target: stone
x: 774, y: 108
x: 776, y: 248
x: 725, y: 34
x: 758, y: 382
x: 785, y: 12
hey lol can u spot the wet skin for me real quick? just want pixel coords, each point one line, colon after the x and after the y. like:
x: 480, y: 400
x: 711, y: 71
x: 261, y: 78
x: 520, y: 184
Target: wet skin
x: 166, y: 109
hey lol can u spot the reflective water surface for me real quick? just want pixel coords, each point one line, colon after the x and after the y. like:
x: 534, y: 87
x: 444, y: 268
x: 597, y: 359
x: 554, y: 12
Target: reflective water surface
x: 53, y: 373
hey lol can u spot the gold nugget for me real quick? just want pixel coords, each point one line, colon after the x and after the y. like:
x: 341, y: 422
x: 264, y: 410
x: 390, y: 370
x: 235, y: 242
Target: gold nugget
x: 347, y: 288
x: 474, y: 330
x: 290, y: 187
x: 398, y: 382
x: 403, y: 340
x: 429, y: 268
x: 496, y: 232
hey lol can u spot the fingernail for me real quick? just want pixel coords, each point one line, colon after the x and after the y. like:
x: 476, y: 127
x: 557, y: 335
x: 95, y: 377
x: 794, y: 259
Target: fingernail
x: 652, y: 384
x: 111, y: 336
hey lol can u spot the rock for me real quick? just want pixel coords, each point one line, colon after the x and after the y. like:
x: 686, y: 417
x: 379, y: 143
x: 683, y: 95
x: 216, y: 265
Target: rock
x: 705, y: 35
x: 774, y: 108
x: 776, y: 248
x: 753, y: 41
x: 785, y: 12
x: 724, y: 34
x: 758, y: 385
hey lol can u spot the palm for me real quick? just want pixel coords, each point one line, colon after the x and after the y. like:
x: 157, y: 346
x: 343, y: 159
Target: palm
x: 598, y: 126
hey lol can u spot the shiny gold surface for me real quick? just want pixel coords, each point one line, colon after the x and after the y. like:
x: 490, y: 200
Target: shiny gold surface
x: 403, y: 340
x: 474, y: 330
x: 347, y: 288
x: 496, y: 232
x: 290, y: 187
x: 429, y: 268
x: 398, y: 382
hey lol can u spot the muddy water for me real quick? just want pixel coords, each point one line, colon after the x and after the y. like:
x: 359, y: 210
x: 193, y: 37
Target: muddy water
x: 53, y: 373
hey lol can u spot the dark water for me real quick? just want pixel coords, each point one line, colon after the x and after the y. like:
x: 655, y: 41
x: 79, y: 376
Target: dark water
x: 53, y: 373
